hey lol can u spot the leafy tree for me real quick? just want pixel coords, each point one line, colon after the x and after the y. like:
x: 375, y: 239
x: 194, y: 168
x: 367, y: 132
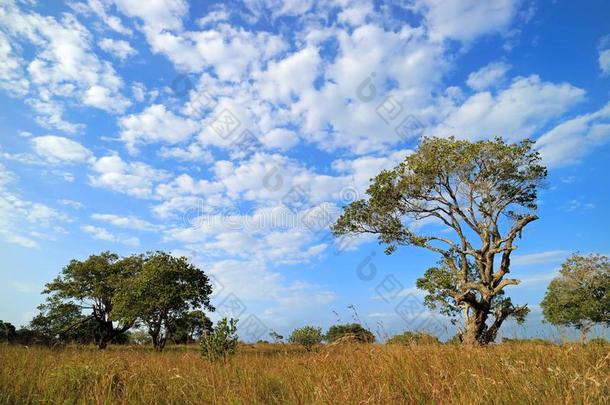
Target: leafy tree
x: 162, y: 294
x: 485, y: 193
x: 353, y: 330
x: 307, y: 336
x: 64, y: 322
x: 89, y: 285
x: 580, y: 295
x: 222, y: 342
x: 190, y: 327
x: 414, y: 338
x: 7, y: 332
x: 277, y: 338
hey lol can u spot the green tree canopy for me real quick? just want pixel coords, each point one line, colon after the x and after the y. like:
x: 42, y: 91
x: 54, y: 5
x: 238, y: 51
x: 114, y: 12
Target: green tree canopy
x: 190, y: 327
x: 7, y: 331
x: 580, y: 295
x: 90, y: 286
x: 485, y: 193
x: 162, y: 294
x: 307, y: 336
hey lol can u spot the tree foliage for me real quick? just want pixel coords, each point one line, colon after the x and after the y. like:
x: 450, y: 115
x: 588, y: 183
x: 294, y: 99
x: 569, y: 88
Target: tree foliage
x: 355, y: 331
x: 580, y: 295
x: 190, y: 327
x: 485, y: 193
x: 161, y: 295
x: 89, y: 285
x: 222, y: 342
x: 8, y: 332
x: 307, y: 336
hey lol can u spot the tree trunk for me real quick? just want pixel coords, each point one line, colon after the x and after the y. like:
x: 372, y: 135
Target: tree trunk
x: 584, y: 331
x: 475, y: 333
x: 103, y: 344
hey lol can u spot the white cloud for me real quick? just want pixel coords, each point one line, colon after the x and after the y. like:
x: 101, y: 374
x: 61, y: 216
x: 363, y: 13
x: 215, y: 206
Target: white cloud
x: 128, y: 222
x: 57, y: 149
x: 132, y: 178
x: 155, y: 124
x: 98, y: 7
x: 550, y: 256
x: 63, y: 65
x: 192, y: 153
x: 23, y: 222
x: 488, y: 76
x: 465, y: 20
x: 12, y: 76
x: 279, y: 138
x: 516, y: 112
x: 158, y: 15
x: 117, y: 47
x: 571, y: 140
x: 103, y: 234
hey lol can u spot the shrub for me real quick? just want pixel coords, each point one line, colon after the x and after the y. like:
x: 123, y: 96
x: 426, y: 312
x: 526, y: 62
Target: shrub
x: 222, y: 342
x: 414, y: 338
x: 355, y: 331
x: 599, y: 341
x: 307, y: 336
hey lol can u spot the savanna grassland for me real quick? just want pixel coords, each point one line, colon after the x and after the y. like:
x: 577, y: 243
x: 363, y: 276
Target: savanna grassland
x: 285, y: 374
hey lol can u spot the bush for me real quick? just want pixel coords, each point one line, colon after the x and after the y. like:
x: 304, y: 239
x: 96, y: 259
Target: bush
x: 307, y: 336
x: 414, y: 338
x: 354, y: 331
x: 222, y: 342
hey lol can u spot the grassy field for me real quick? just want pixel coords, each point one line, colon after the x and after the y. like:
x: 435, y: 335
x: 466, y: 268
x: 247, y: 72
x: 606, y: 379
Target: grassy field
x: 344, y: 374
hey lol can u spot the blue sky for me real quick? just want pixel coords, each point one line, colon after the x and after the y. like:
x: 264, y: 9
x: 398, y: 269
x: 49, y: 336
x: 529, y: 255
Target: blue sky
x: 233, y: 133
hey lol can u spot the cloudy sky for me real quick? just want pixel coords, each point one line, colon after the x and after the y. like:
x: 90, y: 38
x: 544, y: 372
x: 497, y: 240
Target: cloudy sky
x: 232, y: 133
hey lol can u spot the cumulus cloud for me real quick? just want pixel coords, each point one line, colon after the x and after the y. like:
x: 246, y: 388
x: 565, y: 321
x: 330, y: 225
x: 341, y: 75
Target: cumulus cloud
x: 64, y: 64
x: 132, y: 178
x: 488, y: 76
x: 117, y: 47
x: 466, y: 19
x: 25, y: 222
x: 57, y: 149
x: 568, y: 142
x: 155, y: 124
x: 516, y: 112
x: 105, y: 235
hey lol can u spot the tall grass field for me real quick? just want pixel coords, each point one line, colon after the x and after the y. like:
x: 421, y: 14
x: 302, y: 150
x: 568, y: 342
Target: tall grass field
x: 515, y: 373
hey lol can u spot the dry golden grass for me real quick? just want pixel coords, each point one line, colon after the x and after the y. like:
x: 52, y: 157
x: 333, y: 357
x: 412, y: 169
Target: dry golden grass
x: 268, y: 374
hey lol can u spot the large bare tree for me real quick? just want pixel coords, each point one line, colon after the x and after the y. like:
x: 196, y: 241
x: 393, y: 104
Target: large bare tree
x: 485, y: 192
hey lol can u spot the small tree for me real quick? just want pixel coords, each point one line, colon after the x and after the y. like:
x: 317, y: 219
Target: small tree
x: 277, y: 338
x: 222, y: 342
x: 91, y: 285
x: 162, y: 294
x: 307, y: 336
x: 580, y: 295
x: 353, y: 330
x: 483, y: 192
